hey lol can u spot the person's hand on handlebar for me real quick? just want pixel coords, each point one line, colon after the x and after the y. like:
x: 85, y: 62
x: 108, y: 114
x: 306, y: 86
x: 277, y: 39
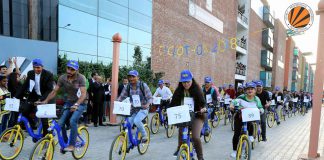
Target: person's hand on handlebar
x: 203, y: 110
x: 40, y: 102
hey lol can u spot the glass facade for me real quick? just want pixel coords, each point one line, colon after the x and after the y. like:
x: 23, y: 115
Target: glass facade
x: 24, y: 19
x: 89, y: 38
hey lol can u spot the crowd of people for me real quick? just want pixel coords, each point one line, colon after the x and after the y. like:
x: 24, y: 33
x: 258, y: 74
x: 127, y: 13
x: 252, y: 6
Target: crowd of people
x: 93, y: 100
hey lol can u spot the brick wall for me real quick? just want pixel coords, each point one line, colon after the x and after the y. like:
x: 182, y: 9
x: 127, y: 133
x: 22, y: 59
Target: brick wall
x: 255, y: 47
x: 279, y: 50
x: 290, y: 44
x: 173, y: 27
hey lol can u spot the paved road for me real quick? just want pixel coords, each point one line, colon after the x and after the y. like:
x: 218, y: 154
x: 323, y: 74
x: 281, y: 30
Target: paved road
x: 285, y: 142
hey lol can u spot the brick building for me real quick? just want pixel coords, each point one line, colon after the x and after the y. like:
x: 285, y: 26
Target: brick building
x: 290, y: 46
x: 183, y: 39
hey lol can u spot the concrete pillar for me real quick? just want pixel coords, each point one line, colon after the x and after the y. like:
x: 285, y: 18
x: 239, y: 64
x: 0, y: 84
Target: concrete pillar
x: 114, y: 78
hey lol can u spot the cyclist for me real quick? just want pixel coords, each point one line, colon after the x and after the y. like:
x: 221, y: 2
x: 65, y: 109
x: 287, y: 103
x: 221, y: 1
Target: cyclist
x: 231, y: 91
x: 275, y: 97
x: 141, y: 98
x: 249, y: 96
x: 168, y: 84
x: 73, y: 84
x: 4, y: 93
x: 38, y: 84
x: 188, y: 87
x: 265, y: 101
x: 209, y: 92
x: 165, y: 93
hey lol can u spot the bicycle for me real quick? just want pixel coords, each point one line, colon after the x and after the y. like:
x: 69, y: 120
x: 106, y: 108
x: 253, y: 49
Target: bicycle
x: 145, y: 121
x: 207, y: 128
x: 214, y: 122
x: 272, y: 116
x: 160, y: 117
x: 303, y: 109
x: 44, y: 148
x: 228, y: 115
x: 120, y: 144
x: 243, y: 148
x: 15, y: 136
x: 221, y: 109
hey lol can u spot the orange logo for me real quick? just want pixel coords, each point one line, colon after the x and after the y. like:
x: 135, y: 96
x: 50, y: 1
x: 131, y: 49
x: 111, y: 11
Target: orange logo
x: 299, y: 17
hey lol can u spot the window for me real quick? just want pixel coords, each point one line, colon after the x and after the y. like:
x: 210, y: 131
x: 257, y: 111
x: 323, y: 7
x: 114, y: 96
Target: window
x: 142, y: 6
x: 140, y: 21
x: 140, y: 38
x: 86, y: 24
x: 89, y: 6
x: 121, y: 2
x: 108, y: 28
x: 79, y: 57
x: 19, y: 18
x: 77, y: 42
x: 113, y: 11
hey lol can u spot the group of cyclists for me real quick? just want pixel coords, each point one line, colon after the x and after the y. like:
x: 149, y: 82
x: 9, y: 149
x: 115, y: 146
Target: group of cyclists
x: 207, y: 99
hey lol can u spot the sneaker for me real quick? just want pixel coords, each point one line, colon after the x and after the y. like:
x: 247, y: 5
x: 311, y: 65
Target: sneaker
x: 144, y: 139
x: 264, y: 139
x: 251, y: 138
x: 278, y: 123
x: 175, y: 154
x: 69, y: 149
x: 233, y: 154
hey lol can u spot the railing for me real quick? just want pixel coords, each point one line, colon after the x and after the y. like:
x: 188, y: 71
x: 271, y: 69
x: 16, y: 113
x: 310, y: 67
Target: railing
x: 242, y: 43
x: 240, y: 69
x: 242, y: 17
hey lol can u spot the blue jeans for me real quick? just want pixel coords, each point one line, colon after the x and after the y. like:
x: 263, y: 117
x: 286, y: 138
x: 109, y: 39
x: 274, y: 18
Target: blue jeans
x: 74, y: 118
x: 137, y: 119
x: 4, y: 122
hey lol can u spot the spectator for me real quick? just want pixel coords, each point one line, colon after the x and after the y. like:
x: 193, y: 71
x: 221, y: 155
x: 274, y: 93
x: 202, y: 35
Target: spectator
x: 107, y: 97
x: 97, y: 101
x: 122, y: 86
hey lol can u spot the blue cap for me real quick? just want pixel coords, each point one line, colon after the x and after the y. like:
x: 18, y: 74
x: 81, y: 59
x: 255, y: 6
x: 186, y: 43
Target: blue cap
x: 250, y: 85
x: 277, y: 88
x: 37, y: 62
x: 167, y: 81
x: 133, y: 73
x: 224, y: 85
x: 241, y: 86
x: 259, y: 83
x: 160, y: 82
x: 208, y: 80
x: 73, y: 64
x: 185, y: 76
x: 231, y: 85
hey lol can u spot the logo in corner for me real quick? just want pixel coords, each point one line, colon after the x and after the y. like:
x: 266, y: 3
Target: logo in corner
x: 299, y: 17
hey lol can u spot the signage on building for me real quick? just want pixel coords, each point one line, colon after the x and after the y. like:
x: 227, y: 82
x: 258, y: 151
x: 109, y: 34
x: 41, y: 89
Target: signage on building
x: 299, y: 17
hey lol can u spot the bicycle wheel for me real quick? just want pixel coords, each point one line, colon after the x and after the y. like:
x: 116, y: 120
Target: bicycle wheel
x: 82, y: 143
x: 244, y: 149
x: 216, y: 120
x: 290, y: 113
x: 283, y: 114
x: 170, y: 130
x: 183, y: 154
x: 121, y: 125
x: 118, y: 147
x: 155, y: 124
x: 11, y: 143
x: 303, y: 111
x: 221, y: 113
x: 142, y: 147
x: 208, y: 137
x: 225, y: 117
x: 270, y: 119
x: 43, y: 150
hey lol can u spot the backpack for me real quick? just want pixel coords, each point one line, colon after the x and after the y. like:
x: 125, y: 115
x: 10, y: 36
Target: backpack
x: 141, y: 88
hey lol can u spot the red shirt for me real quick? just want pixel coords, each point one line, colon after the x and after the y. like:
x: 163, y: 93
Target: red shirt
x: 231, y: 92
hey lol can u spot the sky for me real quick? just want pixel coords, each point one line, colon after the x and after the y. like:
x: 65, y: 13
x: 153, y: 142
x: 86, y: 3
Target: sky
x: 306, y: 42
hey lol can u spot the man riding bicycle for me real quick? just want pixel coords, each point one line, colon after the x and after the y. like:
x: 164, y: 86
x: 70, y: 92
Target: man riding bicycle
x: 211, y: 100
x: 73, y: 84
x: 165, y: 93
x: 141, y: 98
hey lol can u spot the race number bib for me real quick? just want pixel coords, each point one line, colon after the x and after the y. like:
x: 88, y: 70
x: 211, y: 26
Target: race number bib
x: 178, y: 114
x: 209, y: 98
x: 12, y: 104
x: 190, y: 102
x: 295, y: 100
x: 278, y: 98
x: 227, y: 100
x: 273, y: 102
x: 157, y: 100
x: 306, y: 100
x: 136, y: 101
x: 46, y: 111
x: 121, y: 108
x: 250, y: 114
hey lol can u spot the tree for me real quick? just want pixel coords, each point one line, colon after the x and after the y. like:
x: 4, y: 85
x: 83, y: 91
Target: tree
x: 137, y: 56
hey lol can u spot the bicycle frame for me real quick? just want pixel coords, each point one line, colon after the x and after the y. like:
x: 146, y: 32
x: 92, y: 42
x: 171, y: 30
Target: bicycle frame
x: 243, y: 134
x: 55, y: 126
x: 186, y: 138
x: 23, y: 119
x: 273, y: 109
x: 161, y: 117
x: 133, y: 140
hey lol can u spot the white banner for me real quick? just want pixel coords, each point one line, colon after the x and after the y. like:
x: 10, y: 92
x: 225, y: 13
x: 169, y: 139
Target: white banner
x: 306, y: 100
x: 295, y: 100
x: 46, y: 111
x: 228, y: 100
x: 273, y: 103
x: 122, y: 108
x: 178, y: 114
x: 157, y: 100
x: 12, y: 104
x: 250, y: 114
